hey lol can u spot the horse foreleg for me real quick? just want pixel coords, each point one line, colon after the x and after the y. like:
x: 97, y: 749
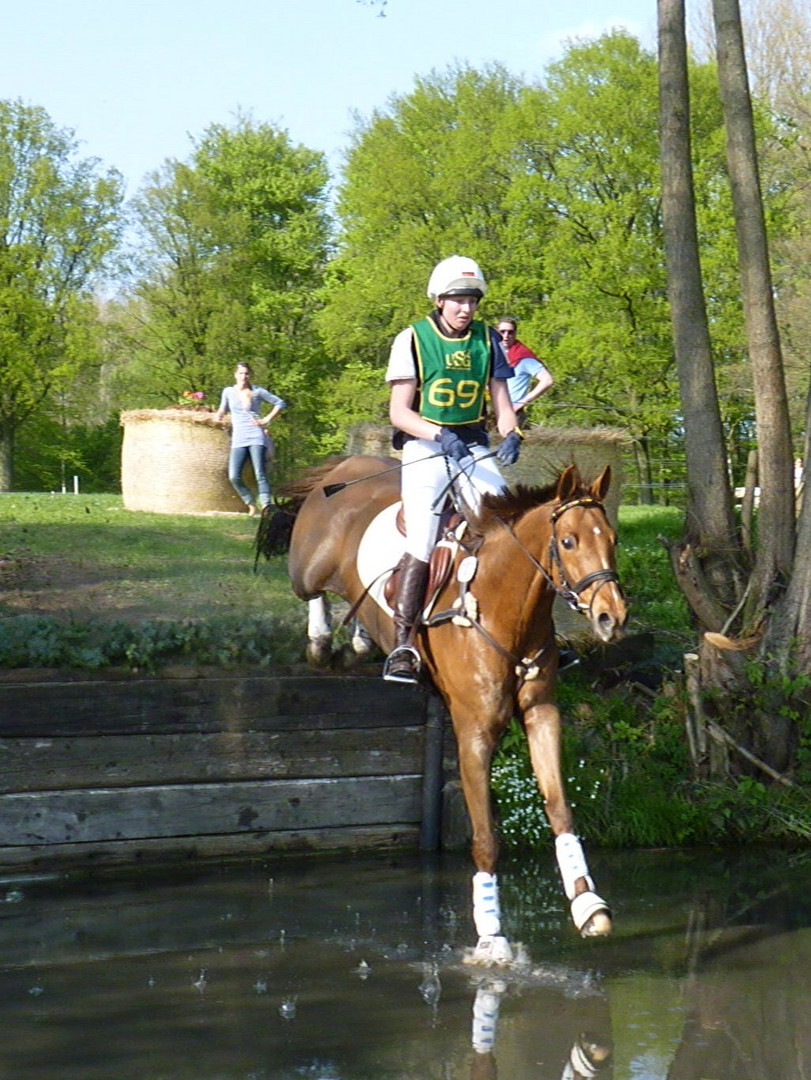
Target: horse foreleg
x: 319, y: 630
x: 590, y: 913
x: 475, y: 755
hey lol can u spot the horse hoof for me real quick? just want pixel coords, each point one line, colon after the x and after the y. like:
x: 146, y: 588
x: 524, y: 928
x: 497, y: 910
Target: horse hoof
x: 599, y: 925
x: 319, y: 651
x: 362, y: 645
x: 591, y: 915
x: 490, y: 951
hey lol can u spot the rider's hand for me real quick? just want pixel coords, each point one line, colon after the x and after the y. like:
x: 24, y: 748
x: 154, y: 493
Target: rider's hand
x: 507, y: 453
x: 452, y: 445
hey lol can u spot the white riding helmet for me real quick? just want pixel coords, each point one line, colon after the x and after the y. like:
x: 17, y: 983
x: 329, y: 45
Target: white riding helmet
x: 456, y: 276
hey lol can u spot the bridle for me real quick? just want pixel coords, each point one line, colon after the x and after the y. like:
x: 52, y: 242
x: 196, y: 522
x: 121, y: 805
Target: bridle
x: 527, y: 668
x: 567, y: 592
x: 571, y: 593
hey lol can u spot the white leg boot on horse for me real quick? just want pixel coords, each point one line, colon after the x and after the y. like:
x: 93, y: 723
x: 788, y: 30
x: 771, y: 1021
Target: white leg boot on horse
x: 492, y: 947
x: 362, y: 644
x: 590, y: 912
x: 403, y: 662
x: 319, y: 631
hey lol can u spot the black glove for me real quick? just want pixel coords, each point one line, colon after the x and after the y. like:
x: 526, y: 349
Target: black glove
x: 452, y: 445
x: 507, y: 453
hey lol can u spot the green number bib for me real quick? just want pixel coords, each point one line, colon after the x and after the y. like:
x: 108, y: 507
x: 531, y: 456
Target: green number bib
x: 454, y: 373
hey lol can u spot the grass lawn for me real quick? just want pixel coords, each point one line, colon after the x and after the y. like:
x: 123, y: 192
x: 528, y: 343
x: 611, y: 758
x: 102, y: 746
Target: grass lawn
x: 73, y: 565
x: 86, y: 556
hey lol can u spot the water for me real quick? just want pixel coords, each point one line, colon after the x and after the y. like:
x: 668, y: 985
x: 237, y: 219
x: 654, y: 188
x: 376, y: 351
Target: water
x: 350, y: 968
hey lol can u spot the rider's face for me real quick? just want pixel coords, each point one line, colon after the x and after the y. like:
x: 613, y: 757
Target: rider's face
x: 457, y: 311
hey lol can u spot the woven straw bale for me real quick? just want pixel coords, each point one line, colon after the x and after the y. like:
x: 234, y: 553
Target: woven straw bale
x: 175, y: 461
x: 545, y: 451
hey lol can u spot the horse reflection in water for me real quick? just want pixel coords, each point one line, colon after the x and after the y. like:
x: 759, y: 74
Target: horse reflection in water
x: 487, y: 641
x: 589, y: 1057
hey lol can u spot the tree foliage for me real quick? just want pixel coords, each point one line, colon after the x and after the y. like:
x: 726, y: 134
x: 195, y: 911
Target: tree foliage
x: 554, y: 187
x: 232, y: 246
x: 59, y: 220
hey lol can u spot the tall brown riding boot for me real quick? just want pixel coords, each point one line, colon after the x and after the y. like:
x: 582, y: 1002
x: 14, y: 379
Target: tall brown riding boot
x: 403, y: 662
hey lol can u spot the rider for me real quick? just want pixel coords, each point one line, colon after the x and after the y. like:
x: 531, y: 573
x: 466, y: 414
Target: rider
x: 439, y: 369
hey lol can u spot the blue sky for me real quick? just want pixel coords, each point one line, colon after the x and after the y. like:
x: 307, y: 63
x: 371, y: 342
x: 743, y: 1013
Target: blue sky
x: 136, y: 78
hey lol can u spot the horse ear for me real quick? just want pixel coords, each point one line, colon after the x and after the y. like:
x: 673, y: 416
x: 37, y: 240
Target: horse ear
x: 568, y: 483
x: 599, y: 488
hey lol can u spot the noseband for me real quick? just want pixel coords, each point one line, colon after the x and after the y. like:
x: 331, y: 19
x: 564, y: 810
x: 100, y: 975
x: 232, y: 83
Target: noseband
x: 567, y: 592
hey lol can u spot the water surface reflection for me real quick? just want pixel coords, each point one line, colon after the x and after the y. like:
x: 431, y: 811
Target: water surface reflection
x: 351, y: 969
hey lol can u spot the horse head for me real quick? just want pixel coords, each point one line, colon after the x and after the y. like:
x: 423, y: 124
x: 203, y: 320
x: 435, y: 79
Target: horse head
x: 582, y: 548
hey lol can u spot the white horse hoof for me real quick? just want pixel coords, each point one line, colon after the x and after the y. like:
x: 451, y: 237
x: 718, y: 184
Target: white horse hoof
x: 591, y: 915
x: 361, y: 646
x: 491, y: 950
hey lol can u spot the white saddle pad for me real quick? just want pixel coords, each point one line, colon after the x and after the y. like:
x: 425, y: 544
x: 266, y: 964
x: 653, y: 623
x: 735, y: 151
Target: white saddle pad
x: 379, y: 551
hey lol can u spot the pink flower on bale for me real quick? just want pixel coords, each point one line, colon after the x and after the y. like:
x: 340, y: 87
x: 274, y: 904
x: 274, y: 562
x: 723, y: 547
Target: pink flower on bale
x: 192, y: 396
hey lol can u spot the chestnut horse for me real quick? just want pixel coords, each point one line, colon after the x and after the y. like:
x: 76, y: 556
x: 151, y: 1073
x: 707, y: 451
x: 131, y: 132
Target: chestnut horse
x: 487, y: 639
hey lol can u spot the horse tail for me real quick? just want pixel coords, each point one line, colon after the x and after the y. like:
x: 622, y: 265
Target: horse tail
x: 276, y: 523
x: 275, y: 529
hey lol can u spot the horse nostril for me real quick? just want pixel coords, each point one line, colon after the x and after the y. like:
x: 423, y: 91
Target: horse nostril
x: 607, y: 626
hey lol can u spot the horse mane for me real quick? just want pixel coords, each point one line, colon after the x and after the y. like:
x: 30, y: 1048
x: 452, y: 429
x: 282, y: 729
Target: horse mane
x: 511, y: 505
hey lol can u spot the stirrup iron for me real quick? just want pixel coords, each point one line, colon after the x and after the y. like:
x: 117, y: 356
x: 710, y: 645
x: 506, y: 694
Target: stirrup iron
x: 399, y: 653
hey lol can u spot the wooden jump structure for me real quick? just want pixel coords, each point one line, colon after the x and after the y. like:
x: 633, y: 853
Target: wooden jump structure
x: 150, y: 769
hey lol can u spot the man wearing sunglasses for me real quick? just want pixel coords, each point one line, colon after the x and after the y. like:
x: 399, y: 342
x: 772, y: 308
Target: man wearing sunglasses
x: 530, y: 377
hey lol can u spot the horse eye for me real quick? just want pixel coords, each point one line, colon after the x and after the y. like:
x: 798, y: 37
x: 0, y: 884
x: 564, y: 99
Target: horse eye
x: 568, y: 542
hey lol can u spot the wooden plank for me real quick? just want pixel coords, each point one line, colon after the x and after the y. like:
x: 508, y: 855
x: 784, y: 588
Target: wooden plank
x: 205, y: 704
x: 39, y: 858
x: 56, y: 764
x: 206, y: 809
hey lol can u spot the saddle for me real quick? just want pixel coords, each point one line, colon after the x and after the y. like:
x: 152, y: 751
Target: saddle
x: 439, y: 565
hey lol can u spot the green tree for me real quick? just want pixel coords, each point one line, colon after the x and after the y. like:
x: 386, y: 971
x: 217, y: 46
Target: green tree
x: 424, y: 178
x: 59, y: 220
x: 593, y: 163
x: 233, y: 247
x: 555, y: 189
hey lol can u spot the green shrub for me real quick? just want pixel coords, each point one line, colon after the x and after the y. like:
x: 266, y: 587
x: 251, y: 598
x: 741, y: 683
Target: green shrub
x: 44, y: 641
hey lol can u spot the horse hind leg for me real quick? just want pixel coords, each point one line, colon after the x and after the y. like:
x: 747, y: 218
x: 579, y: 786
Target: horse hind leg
x: 319, y: 631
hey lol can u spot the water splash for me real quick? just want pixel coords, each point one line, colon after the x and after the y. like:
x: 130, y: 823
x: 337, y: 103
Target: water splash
x: 287, y: 1009
x: 430, y: 988
x: 363, y: 971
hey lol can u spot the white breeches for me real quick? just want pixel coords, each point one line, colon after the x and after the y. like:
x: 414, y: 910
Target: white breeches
x: 423, y: 483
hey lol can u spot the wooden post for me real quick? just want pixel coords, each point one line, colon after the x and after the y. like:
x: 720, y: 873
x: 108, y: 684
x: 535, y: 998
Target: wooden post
x: 694, y: 714
x: 432, y: 779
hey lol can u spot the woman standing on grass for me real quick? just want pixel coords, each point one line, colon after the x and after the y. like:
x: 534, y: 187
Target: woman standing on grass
x: 249, y: 435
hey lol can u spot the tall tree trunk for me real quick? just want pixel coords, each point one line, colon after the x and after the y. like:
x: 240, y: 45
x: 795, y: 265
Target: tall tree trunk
x: 6, y: 460
x: 790, y: 625
x: 709, y: 521
x: 643, y: 468
x: 758, y: 723
x: 776, y: 514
